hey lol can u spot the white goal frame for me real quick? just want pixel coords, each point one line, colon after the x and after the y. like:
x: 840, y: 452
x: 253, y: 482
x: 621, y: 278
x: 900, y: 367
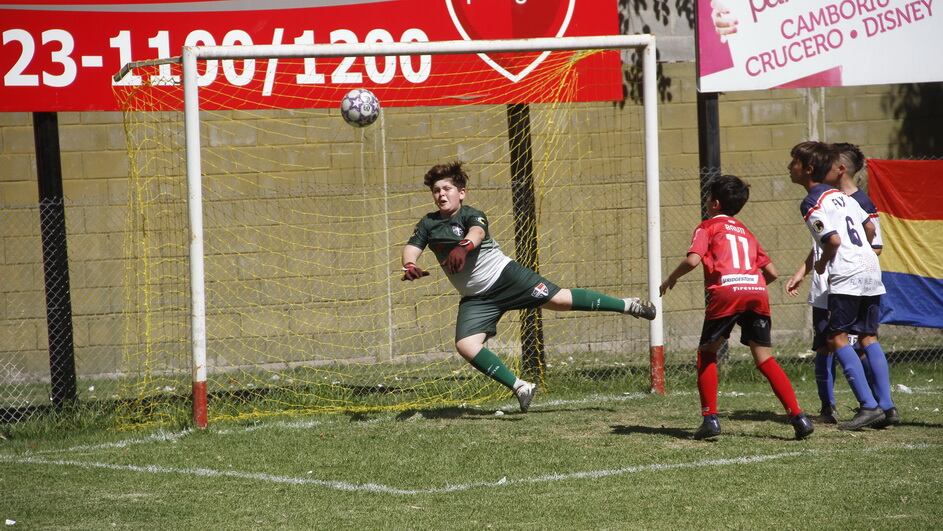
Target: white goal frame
x: 192, y: 54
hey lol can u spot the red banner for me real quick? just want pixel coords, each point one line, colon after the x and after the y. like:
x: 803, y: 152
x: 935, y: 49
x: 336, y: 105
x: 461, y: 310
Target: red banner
x: 60, y: 56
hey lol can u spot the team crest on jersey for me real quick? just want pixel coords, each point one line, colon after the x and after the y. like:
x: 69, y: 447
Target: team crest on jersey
x: 818, y: 225
x: 481, y: 220
x: 459, y: 231
x: 540, y: 291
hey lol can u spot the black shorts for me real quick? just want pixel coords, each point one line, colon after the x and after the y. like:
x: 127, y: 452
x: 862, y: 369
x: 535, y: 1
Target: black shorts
x: 753, y: 327
x: 819, y: 327
x: 853, y: 314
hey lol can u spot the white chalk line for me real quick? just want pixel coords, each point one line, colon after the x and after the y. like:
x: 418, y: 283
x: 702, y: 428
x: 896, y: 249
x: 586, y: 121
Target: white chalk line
x: 386, y: 489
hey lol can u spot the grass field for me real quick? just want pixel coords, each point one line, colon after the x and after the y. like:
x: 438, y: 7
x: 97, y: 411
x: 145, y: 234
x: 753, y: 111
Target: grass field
x: 594, y: 459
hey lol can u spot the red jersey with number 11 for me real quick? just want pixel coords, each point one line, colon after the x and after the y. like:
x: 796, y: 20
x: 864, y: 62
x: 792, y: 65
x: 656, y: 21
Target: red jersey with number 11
x: 732, y: 259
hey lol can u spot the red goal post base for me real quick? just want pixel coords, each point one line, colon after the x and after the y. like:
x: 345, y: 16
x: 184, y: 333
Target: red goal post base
x: 657, y: 364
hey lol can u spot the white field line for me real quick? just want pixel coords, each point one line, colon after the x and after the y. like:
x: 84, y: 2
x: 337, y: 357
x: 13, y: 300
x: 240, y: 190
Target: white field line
x: 386, y: 489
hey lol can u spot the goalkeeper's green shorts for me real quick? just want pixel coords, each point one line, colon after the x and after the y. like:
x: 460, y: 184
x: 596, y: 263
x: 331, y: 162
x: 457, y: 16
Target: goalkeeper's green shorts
x: 517, y: 288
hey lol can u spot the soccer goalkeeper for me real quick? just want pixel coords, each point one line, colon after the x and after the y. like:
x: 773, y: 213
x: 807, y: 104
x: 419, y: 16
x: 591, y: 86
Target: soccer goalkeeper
x: 490, y: 282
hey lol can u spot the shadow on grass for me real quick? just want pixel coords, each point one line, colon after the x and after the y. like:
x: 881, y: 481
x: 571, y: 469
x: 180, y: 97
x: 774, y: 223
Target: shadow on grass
x: 756, y: 416
x: 449, y: 413
x: 676, y: 433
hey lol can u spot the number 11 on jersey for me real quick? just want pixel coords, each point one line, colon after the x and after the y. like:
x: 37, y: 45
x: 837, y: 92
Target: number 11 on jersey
x: 734, y: 252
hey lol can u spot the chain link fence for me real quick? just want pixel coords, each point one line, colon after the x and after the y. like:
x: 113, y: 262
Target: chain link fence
x: 88, y: 301
x: 61, y: 325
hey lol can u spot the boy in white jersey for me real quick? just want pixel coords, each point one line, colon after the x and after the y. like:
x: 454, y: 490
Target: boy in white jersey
x: 490, y: 282
x: 850, y: 161
x: 842, y: 230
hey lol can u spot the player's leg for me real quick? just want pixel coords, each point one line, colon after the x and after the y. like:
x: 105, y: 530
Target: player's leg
x: 713, y: 334
x: 843, y: 313
x: 877, y: 360
x: 586, y: 300
x: 755, y: 332
x: 477, y: 321
x: 824, y: 366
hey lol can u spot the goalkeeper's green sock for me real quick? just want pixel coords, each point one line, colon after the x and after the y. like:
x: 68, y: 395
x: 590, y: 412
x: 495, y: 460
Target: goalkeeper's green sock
x: 590, y: 301
x: 491, y: 365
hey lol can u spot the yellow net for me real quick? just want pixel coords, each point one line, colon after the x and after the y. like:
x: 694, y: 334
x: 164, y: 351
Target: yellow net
x: 304, y: 221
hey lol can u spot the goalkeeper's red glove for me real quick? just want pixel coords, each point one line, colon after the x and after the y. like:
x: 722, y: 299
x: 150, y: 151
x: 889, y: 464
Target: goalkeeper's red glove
x: 413, y: 272
x: 456, y: 259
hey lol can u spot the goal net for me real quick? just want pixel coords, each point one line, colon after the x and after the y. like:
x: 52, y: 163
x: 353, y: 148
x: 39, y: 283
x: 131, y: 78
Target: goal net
x: 300, y: 220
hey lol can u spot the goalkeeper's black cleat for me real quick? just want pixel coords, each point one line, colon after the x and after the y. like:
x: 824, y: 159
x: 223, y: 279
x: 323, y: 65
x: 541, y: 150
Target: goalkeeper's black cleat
x: 827, y: 415
x: 862, y: 419
x: 802, y: 425
x: 639, y: 308
x: 891, y: 418
x: 709, y: 429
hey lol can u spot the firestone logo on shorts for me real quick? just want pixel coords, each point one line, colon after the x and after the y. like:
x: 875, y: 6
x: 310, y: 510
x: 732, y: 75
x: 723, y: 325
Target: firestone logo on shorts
x: 540, y: 291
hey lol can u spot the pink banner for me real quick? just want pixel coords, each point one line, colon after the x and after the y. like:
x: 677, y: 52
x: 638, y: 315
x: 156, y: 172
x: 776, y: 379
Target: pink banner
x: 761, y: 44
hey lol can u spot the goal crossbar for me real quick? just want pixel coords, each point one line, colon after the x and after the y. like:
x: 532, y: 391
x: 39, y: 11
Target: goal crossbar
x: 191, y: 56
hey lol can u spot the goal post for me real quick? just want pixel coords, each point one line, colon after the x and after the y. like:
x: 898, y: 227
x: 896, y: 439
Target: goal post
x: 191, y: 59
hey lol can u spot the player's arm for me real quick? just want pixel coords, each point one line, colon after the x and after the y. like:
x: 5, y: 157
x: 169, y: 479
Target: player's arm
x: 792, y: 285
x: 455, y: 261
x: 476, y: 235
x: 411, y: 271
x: 870, y: 231
x: 769, y: 273
x: 687, y: 265
x: 830, y: 245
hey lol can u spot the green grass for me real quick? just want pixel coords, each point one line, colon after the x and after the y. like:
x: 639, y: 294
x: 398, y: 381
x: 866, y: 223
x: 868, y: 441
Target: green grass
x: 585, y: 458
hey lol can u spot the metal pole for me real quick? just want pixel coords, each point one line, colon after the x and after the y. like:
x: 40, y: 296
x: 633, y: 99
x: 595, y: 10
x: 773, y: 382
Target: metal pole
x: 653, y: 211
x: 55, y: 259
x: 191, y: 106
x: 525, y: 231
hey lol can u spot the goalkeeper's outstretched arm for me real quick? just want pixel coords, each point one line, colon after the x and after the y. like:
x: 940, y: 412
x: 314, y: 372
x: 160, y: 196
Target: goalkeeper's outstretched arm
x: 411, y: 271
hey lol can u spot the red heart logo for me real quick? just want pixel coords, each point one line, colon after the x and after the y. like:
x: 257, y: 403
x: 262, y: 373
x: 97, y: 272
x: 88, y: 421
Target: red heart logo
x: 511, y: 19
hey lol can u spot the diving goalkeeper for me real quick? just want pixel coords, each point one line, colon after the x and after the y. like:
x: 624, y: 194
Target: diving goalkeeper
x: 490, y: 282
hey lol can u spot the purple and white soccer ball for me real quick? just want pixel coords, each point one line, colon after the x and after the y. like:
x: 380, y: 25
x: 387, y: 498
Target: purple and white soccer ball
x: 360, y: 108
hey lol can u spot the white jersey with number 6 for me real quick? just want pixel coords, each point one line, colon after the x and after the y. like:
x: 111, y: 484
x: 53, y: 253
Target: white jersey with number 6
x: 855, y: 269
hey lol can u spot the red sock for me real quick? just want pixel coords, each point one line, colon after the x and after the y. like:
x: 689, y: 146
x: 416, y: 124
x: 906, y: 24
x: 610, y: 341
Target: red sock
x: 707, y: 382
x: 781, y: 385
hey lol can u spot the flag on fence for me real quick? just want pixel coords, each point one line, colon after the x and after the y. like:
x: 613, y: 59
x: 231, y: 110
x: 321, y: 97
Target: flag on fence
x: 909, y: 196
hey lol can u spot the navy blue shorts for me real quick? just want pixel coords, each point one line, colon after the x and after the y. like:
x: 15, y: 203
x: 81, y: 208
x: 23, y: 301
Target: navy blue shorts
x: 853, y: 314
x: 753, y: 327
x: 819, y: 327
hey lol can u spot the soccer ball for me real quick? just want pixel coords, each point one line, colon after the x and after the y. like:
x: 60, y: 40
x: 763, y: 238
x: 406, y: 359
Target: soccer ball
x: 360, y: 108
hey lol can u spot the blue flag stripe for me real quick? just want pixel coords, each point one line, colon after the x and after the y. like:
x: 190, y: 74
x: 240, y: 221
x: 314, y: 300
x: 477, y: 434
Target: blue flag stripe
x: 912, y: 300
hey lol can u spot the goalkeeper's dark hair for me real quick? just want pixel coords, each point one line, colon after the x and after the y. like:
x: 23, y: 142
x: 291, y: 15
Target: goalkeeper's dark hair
x: 449, y: 170
x: 731, y: 192
x: 817, y: 155
x: 851, y: 156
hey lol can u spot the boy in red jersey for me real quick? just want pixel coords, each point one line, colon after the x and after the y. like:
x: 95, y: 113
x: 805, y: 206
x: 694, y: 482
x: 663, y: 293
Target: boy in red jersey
x: 736, y: 271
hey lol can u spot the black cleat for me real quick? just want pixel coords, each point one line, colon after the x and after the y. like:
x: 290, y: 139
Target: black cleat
x: 862, y: 419
x: 639, y: 308
x: 709, y: 429
x: 891, y: 418
x: 827, y: 415
x: 802, y: 425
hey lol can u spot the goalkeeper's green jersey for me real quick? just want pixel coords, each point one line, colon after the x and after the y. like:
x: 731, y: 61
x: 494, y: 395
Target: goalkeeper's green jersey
x: 484, y: 263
